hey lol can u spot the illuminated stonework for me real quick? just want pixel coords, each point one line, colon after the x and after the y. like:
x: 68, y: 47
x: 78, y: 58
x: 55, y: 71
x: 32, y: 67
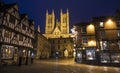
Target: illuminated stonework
x: 58, y: 34
x: 55, y: 28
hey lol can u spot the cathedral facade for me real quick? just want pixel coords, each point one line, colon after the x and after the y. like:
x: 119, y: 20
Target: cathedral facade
x: 55, y: 28
x: 57, y: 31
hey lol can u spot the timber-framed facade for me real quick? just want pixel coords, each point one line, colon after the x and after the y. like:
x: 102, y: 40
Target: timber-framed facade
x: 16, y: 35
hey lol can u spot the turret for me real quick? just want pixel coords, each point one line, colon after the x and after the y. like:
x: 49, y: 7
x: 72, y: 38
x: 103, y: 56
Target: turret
x: 38, y: 29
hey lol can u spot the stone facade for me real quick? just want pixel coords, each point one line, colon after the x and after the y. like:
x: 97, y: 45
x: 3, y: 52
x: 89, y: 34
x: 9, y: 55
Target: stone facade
x: 55, y: 28
x: 58, y: 34
x: 42, y: 45
x: 99, y: 40
x: 61, y: 47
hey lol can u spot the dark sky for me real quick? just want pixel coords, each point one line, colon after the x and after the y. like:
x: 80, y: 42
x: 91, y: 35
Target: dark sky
x: 80, y: 10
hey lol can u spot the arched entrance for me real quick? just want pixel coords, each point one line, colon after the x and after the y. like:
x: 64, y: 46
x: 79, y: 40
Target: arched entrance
x: 66, y: 53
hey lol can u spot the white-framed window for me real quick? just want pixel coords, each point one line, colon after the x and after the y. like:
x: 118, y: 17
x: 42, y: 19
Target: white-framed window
x: 118, y: 33
x: 101, y: 24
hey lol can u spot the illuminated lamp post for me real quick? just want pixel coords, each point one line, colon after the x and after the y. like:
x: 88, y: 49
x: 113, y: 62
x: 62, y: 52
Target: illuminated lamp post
x: 74, y: 35
x: 97, y: 56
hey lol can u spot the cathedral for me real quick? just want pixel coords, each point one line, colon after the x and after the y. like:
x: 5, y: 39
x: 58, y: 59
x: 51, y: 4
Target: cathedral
x: 57, y: 32
x: 55, y: 28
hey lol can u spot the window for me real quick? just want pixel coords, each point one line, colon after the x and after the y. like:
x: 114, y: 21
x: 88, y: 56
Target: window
x: 53, y: 41
x: 12, y: 19
x: 64, y: 20
x: 20, y: 38
x: 104, y: 57
x: 24, y: 27
x: 58, y: 47
x: 84, y: 40
x: 64, y: 41
x: 101, y: 24
x: 58, y: 41
x: 83, y: 30
x: 7, y: 52
x: 102, y: 33
x: 118, y: 33
x: 105, y: 45
x: 115, y: 58
x: 6, y: 34
x: 90, y: 54
x: 49, y: 20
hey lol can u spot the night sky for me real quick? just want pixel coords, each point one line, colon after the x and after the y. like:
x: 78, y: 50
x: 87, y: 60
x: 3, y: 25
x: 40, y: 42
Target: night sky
x: 79, y: 10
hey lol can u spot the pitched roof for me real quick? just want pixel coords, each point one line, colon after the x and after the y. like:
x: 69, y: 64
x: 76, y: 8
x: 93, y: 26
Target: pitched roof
x: 5, y: 7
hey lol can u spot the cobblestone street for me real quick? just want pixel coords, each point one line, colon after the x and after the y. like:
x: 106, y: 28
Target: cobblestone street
x: 58, y: 66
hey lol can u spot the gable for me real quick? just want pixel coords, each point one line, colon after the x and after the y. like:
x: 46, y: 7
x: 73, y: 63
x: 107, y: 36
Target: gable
x: 57, y: 31
x: 13, y: 10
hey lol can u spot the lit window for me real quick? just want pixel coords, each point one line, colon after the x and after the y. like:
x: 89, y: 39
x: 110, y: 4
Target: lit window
x: 105, y: 45
x: 115, y: 58
x: 90, y: 54
x: 7, y: 52
x: 104, y: 57
x: 101, y: 24
x: 118, y: 33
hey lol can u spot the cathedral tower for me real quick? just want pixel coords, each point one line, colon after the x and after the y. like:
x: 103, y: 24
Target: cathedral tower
x: 64, y: 22
x: 55, y: 28
x: 50, y: 21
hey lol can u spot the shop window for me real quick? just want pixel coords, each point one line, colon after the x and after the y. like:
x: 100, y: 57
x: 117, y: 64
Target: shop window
x: 90, y: 54
x: 79, y: 55
x: 105, y: 45
x: 7, y: 52
x: 115, y: 58
x: 104, y: 58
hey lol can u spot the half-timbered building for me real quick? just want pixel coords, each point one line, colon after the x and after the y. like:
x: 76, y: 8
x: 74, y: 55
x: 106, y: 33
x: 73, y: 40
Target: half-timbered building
x: 16, y: 35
